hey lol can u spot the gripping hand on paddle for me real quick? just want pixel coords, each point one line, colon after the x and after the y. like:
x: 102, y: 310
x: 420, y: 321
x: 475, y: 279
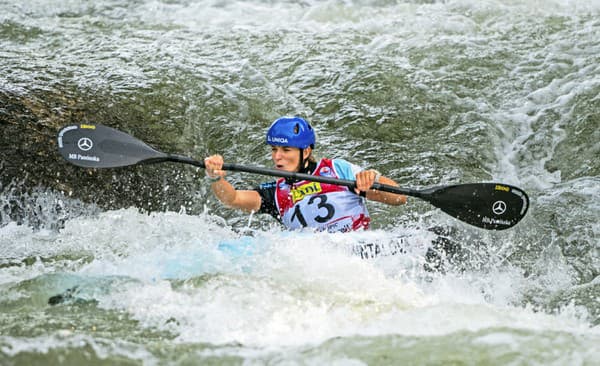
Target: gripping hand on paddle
x: 365, y: 180
x: 214, y: 167
x: 243, y: 199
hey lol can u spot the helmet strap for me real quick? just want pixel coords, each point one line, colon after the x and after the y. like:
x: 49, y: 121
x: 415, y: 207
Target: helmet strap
x: 302, y: 165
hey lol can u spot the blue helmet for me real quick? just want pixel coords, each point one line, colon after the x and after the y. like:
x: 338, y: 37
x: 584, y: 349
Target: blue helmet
x: 291, y: 131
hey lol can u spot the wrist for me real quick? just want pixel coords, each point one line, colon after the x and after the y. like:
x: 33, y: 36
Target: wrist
x: 213, y: 179
x: 377, y: 175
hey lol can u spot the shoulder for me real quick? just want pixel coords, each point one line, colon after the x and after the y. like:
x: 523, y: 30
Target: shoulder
x: 345, y: 169
x: 267, y: 191
x: 267, y: 185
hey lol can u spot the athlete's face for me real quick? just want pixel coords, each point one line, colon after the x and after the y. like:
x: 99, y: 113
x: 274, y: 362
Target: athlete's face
x: 287, y: 158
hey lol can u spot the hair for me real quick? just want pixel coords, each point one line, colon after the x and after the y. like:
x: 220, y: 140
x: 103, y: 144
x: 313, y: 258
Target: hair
x: 312, y: 157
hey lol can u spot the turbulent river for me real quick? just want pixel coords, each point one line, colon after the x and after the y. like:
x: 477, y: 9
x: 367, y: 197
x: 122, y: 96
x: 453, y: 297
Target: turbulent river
x: 428, y: 92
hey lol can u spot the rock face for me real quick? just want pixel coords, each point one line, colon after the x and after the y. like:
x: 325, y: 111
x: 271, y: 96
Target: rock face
x: 29, y: 160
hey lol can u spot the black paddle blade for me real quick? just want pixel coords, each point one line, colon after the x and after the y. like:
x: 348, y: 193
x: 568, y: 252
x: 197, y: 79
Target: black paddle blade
x: 97, y: 146
x: 492, y: 206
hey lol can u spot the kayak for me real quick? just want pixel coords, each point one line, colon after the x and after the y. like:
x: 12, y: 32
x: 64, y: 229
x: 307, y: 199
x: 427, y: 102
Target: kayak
x: 408, y: 248
x: 361, y: 248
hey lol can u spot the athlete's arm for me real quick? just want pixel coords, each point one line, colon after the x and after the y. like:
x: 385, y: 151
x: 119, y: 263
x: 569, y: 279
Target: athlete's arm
x: 366, y: 178
x: 241, y: 199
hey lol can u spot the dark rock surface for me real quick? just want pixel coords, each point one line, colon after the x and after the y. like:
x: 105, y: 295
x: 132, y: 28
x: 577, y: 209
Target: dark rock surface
x: 30, y: 163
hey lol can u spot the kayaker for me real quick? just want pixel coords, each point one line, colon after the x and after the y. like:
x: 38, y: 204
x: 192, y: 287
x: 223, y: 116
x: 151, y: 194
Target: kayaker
x: 298, y: 204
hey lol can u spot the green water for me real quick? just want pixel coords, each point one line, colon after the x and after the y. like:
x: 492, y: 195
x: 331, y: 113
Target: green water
x: 428, y: 92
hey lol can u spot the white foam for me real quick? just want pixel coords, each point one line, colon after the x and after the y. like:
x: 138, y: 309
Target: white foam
x: 298, y: 289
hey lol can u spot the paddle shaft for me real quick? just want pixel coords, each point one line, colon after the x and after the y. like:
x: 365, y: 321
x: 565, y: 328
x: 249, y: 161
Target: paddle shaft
x: 293, y: 175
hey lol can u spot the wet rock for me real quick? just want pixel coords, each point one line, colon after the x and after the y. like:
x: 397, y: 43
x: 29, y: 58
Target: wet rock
x: 29, y: 158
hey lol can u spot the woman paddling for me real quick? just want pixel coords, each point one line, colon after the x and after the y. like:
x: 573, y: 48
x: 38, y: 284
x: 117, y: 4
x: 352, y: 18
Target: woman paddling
x: 298, y: 204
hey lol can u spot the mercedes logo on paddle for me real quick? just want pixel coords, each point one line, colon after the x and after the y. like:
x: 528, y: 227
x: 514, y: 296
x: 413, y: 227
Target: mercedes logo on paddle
x: 85, y: 144
x: 499, y: 207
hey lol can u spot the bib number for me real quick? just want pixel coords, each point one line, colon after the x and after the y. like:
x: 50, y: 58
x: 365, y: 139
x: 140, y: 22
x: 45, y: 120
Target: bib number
x: 321, y: 205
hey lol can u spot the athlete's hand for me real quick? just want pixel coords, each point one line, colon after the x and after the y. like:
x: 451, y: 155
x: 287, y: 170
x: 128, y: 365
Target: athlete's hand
x: 365, y: 180
x: 214, y: 166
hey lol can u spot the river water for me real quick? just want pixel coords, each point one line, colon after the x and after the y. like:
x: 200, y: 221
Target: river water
x: 428, y: 92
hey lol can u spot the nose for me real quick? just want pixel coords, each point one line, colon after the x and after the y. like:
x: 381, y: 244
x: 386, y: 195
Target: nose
x: 276, y: 154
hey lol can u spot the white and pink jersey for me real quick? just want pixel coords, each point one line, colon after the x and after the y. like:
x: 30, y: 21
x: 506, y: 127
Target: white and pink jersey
x: 322, y: 206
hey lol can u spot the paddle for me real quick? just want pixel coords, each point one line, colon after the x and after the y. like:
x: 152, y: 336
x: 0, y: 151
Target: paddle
x: 493, y: 206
